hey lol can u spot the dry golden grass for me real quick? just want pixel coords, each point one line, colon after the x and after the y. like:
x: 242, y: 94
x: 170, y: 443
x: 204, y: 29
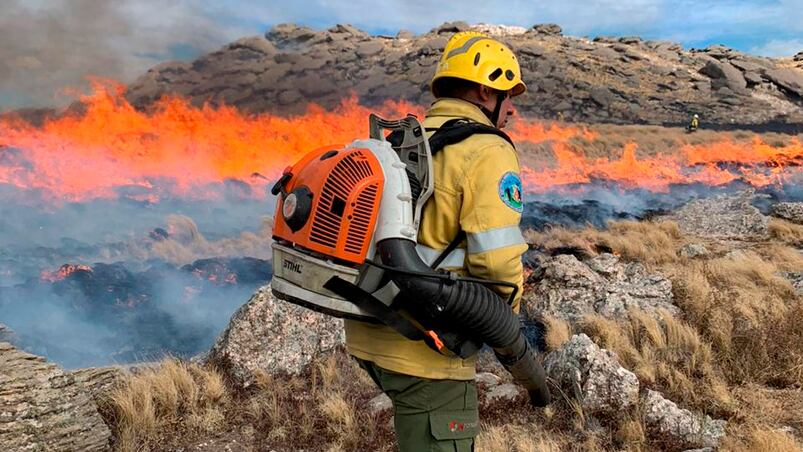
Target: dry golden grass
x: 787, y: 232
x: 558, y: 331
x: 516, y: 438
x: 648, y: 242
x: 763, y: 439
x: 150, y: 402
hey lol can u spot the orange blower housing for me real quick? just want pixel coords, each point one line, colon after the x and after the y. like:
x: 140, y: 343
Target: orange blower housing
x: 329, y: 203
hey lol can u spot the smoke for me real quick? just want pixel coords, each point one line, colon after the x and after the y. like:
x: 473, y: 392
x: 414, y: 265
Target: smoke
x: 49, y: 45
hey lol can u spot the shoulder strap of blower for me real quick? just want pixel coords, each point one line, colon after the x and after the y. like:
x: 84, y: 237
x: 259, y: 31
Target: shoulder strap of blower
x: 454, y: 131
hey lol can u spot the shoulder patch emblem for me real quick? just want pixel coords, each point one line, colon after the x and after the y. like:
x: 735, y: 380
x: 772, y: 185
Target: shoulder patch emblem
x: 510, y: 191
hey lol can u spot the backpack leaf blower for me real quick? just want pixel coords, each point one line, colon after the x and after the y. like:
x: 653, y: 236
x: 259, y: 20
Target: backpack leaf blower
x: 345, y: 244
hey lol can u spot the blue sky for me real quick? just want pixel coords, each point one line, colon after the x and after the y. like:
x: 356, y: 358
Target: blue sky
x: 51, y: 44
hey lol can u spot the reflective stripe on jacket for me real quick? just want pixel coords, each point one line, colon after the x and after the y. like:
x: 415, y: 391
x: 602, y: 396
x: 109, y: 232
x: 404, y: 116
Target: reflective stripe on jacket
x: 473, y: 180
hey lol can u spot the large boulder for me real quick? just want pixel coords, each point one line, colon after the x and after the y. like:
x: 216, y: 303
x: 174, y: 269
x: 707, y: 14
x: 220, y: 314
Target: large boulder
x: 570, y: 289
x: 273, y: 336
x: 44, y: 408
x: 680, y: 428
x: 787, y: 78
x: 724, y: 74
x: 730, y: 216
x: 592, y: 375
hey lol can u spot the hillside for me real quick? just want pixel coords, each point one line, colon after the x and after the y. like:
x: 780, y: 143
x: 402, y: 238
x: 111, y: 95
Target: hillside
x: 615, y: 80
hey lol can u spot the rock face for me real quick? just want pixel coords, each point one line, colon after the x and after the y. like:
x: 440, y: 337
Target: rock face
x: 592, y: 375
x: 681, y: 428
x: 723, y: 217
x: 44, y: 408
x: 791, y: 211
x: 570, y: 289
x: 273, y: 336
x: 645, y: 81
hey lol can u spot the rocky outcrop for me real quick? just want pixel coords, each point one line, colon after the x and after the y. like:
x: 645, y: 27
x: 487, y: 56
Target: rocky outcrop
x: 568, y: 288
x: 730, y: 216
x: 620, y: 80
x: 790, y: 211
x: 45, y: 408
x: 592, y: 375
x: 99, y: 381
x: 6, y: 334
x: 681, y: 428
x: 273, y: 336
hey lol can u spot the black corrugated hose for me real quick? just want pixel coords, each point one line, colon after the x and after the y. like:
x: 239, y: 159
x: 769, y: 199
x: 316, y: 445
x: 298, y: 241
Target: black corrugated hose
x: 469, y: 308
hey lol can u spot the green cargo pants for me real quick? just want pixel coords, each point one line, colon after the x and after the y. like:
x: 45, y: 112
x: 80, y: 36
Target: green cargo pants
x: 429, y: 415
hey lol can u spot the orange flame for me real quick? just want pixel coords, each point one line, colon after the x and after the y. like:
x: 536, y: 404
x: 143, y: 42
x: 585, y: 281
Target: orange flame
x: 63, y: 272
x: 180, y: 150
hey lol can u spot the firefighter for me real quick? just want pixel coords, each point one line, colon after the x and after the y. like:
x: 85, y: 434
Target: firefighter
x: 478, y: 191
x: 695, y: 123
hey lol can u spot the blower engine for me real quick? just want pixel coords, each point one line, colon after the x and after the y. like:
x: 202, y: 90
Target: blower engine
x: 345, y: 234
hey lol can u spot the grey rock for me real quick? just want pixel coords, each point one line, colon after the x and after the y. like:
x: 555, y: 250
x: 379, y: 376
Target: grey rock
x: 98, y: 381
x: 379, y: 404
x: 7, y: 334
x: 404, y: 34
x: 747, y: 66
x: 291, y: 36
x: 273, y: 336
x: 569, y: 289
x: 794, y: 278
x: 547, y: 29
x: 370, y: 48
x: 606, y: 53
x: 791, y: 211
x: 693, y: 250
x: 682, y: 428
x: 798, y: 56
x: 44, y: 408
x: 348, y: 29
x: 592, y: 375
x: 787, y: 78
x: 254, y: 43
x: 452, y: 27
x: 503, y: 392
x: 724, y: 74
x: 602, y: 96
x: 630, y: 40
x: 718, y: 51
x: 730, y: 216
x: 753, y: 78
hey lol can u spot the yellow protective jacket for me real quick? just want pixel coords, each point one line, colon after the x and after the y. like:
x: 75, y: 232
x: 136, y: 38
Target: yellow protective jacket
x: 478, y: 190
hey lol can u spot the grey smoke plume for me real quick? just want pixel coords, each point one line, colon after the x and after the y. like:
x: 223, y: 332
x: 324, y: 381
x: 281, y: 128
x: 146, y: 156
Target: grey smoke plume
x: 50, y: 45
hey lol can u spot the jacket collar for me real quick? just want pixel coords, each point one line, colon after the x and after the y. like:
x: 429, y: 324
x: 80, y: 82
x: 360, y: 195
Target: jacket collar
x: 450, y: 108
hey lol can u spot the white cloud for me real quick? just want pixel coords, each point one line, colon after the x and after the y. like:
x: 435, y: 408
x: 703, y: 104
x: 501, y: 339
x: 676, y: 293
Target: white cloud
x: 779, y: 47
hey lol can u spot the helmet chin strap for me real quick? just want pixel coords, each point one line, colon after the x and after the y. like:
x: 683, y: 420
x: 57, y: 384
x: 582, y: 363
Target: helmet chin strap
x: 494, y: 115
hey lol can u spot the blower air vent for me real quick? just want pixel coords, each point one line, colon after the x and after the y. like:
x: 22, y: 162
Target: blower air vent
x: 361, y: 220
x: 337, y: 188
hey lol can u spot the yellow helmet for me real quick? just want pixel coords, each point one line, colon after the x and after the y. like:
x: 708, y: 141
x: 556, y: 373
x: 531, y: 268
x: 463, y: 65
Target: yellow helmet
x: 478, y: 58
